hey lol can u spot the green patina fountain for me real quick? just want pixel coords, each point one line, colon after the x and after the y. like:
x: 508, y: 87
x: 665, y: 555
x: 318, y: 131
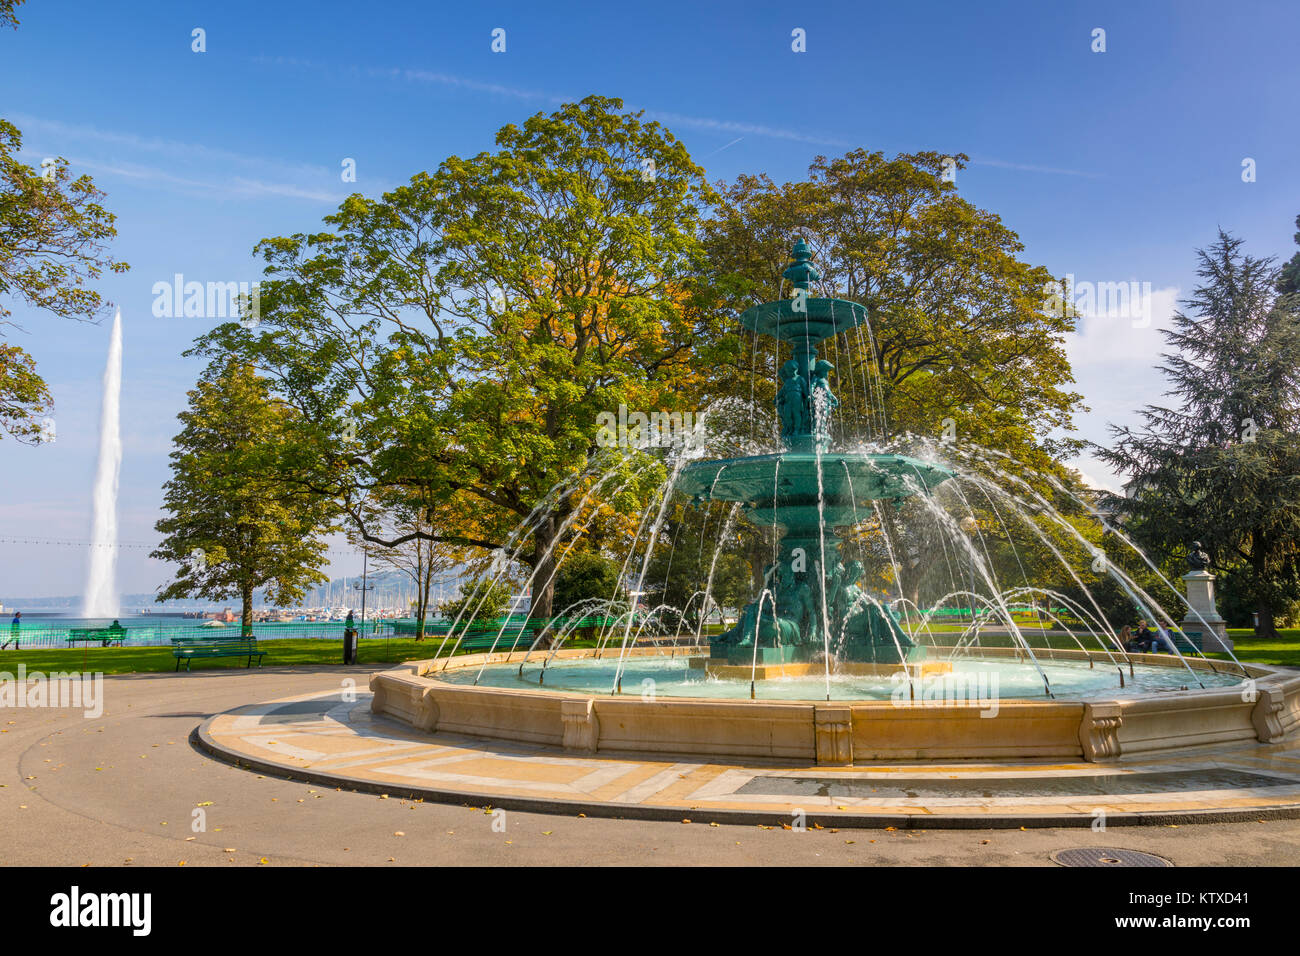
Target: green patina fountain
x: 808, y: 492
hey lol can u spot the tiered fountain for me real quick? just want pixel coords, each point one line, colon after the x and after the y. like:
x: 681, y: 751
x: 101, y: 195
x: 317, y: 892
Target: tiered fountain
x: 831, y: 674
x: 812, y: 606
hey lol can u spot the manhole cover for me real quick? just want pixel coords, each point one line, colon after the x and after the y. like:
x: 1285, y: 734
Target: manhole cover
x: 1107, y: 856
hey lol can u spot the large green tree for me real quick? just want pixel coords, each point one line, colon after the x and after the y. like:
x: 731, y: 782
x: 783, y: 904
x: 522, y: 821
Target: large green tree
x: 958, y: 325
x: 232, y: 528
x: 961, y: 340
x: 1221, y: 463
x: 53, y: 241
x: 460, y: 334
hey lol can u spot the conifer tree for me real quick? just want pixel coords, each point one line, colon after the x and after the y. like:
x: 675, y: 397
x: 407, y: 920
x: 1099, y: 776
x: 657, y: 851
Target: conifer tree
x: 1221, y: 463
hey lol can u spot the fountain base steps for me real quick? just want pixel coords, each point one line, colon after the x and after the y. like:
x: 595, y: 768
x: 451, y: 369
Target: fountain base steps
x: 768, y: 671
x: 348, y: 739
x: 1264, y: 708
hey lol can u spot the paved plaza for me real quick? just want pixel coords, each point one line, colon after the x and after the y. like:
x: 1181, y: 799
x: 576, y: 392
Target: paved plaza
x: 131, y: 788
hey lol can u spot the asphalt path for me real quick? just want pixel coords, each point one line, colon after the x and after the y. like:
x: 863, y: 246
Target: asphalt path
x: 123, y: 789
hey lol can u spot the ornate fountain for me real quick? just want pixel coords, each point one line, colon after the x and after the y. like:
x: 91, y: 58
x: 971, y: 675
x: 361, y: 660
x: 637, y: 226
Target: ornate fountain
x: 854, y: 687
x: 811, y: 605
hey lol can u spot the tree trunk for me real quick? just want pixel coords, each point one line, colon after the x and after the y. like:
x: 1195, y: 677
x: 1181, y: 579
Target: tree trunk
x: 246, y: 618
x: 543, y: 590
x: 1267, y: 626
x: 423, y: 579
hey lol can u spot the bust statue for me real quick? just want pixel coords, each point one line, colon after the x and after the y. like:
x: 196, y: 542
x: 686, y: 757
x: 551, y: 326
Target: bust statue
x: 1197, y: 559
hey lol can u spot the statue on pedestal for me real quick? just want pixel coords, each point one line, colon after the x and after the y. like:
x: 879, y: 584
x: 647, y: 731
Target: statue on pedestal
x: 822, y: 402
x: 786, y: 617
x: 792, y: 401
x: 1203, y: 625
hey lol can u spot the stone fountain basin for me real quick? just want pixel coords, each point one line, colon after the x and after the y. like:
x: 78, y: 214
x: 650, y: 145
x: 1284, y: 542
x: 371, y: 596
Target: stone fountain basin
x: 1265, y: 710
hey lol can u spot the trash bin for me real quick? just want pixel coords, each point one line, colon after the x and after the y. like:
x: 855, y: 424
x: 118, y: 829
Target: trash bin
x: 350, y: 646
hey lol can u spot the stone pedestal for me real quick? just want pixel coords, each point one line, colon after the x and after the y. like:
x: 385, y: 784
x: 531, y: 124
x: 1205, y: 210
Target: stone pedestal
x: 1202, y: 623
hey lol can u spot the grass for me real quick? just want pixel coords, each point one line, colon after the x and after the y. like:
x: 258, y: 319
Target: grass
x: 279, y: 653
x: 316, y: 652
x: 1284, y: 651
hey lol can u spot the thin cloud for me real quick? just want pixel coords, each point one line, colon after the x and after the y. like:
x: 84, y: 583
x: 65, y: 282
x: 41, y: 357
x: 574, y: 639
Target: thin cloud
x: 1034, y: 168
x: 196, y: 170
x: 259, y: 188
x: 174, y: 148
x: 721, y: 148
x: 497, y: 89
x: 746, y: 129
x: 446, y: 79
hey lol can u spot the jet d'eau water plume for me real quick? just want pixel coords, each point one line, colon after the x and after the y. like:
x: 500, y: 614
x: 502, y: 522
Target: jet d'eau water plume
x: 101, y: 581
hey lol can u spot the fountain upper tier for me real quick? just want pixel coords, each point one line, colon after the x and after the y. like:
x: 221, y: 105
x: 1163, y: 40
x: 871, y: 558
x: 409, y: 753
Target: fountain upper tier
x: 801, y: 319
x: 811, y: 594
x: 804, y: 320
x: 808, y: 485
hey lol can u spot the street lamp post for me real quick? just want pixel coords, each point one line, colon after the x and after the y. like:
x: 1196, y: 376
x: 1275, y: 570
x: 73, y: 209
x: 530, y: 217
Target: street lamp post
x: 350, y: 640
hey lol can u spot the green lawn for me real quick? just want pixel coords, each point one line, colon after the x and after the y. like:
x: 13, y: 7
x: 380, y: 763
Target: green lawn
x: 279, y: 653
x: 318, y: 651
x: 1285, y: 650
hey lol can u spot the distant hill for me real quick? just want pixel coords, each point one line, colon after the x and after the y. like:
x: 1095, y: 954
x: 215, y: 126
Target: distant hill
x: 387, y: 589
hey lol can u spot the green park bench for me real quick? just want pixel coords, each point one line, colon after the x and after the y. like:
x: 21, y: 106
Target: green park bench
x: 103, y: 636
x: 188, y: 648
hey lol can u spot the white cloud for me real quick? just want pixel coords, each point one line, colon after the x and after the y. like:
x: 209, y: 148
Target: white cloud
x: 192, y: 168
x: 1033, y: 168
x: 1116, y: 359
x: 1112, y: 336
x: 430, y: 77
x: 1097, y: 475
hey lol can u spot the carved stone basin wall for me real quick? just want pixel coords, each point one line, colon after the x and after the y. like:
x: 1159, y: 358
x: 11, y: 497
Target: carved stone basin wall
x: 1264, y: 707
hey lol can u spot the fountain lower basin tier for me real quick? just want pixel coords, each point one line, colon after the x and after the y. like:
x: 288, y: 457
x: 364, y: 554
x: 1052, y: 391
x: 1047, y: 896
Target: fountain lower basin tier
x: 806, y: 489
x: 986, y: 707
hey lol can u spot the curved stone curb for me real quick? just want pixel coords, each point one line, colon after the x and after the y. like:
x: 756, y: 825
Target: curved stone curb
x: 1264, y: 708
x: 201, y: 740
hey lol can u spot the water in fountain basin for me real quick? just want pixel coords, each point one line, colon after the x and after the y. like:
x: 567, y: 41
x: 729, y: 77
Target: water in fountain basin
x: 674, y: 677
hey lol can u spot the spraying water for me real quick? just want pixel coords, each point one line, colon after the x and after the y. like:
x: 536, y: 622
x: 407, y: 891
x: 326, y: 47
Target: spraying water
x: 101, y: 583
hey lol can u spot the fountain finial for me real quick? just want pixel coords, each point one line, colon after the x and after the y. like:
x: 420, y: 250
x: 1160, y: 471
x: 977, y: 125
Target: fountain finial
x: 801, y: 272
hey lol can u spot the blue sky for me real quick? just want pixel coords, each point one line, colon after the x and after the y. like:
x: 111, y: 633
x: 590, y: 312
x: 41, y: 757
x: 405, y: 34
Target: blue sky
x: 1111, y: 166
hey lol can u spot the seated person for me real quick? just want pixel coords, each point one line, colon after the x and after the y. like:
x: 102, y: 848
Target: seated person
x: 1142, y: 639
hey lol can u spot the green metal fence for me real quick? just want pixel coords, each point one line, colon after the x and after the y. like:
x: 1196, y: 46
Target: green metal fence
x: 137, y: 634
